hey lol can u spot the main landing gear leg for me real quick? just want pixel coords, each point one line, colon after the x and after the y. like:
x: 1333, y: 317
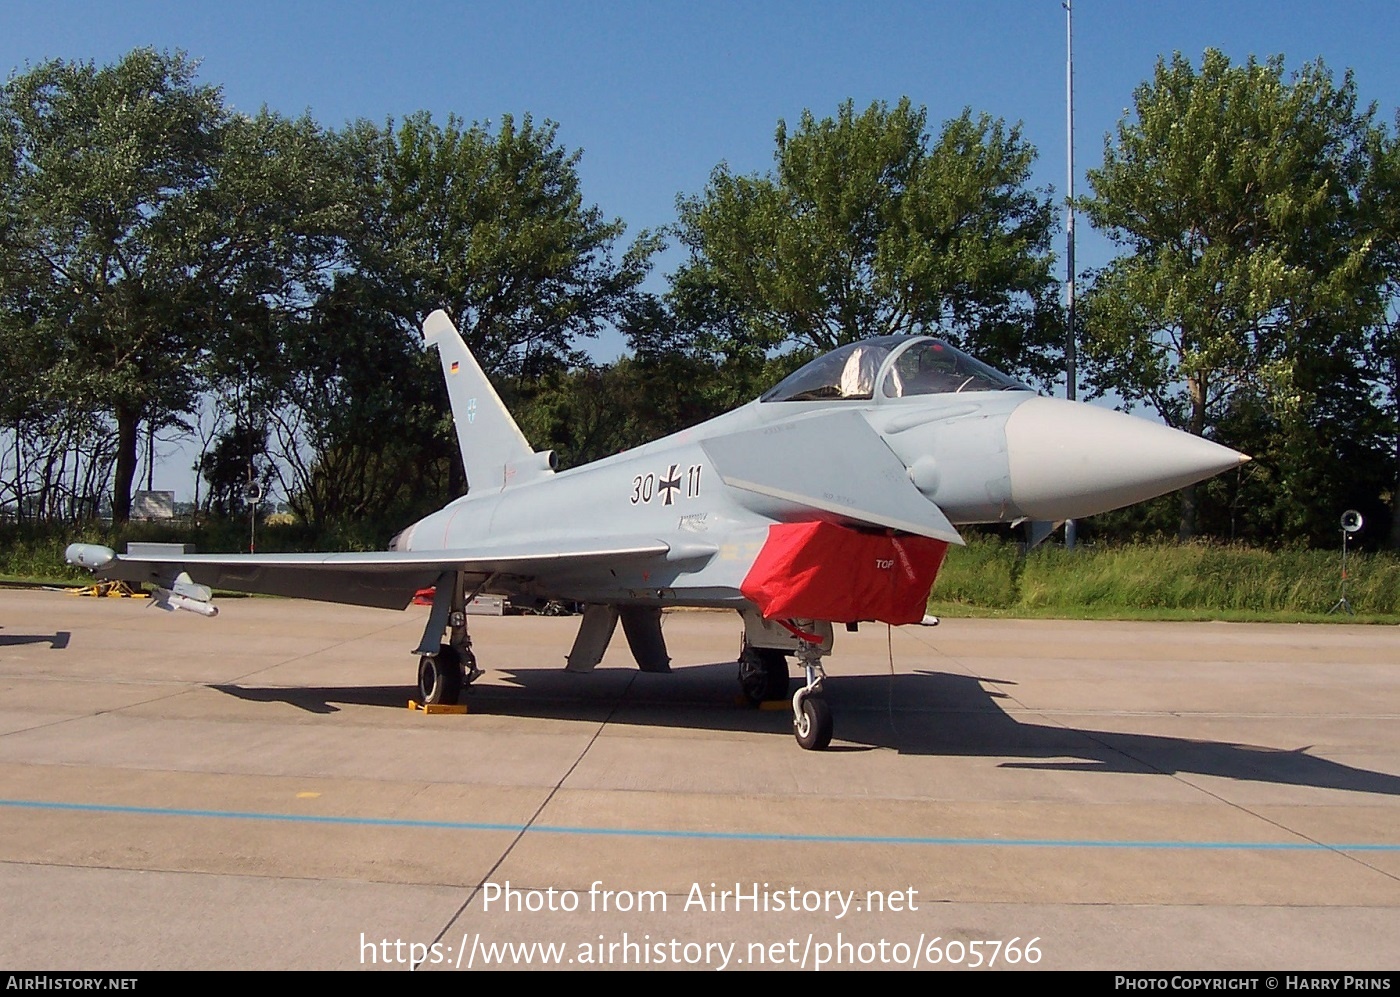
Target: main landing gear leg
x: 445, y: 671
x: 763, y: 673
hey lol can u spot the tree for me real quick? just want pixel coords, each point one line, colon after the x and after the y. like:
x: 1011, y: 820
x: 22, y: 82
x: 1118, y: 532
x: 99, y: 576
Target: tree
x: 592, y: 412
x: 491, y: 226
x: 868, y: 227
x: 1236, y: 194
x: 487, y: 223
x: 108, y: 163
x: 145, y: 226
x: 1383, y: 356
x: 277, y: 222
x: 236, y: 459
x: 360, y: 427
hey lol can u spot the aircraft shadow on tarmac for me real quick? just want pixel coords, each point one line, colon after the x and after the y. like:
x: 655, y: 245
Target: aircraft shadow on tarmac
x: 57, y: 641
x: 322, y: 699
x: 927, y: 713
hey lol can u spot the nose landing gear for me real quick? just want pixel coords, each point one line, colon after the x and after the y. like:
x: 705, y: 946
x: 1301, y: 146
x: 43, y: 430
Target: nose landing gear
x: 811, y: 716
x: 763, y: 671
x: 812, y: 723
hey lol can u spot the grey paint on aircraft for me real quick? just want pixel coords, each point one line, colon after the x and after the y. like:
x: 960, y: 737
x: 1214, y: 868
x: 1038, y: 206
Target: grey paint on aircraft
x: 901, y: 433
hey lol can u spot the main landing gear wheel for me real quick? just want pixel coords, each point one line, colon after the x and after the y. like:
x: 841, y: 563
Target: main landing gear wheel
x: 763, y: 674
x: 440, y: 676
x: 813, y: 724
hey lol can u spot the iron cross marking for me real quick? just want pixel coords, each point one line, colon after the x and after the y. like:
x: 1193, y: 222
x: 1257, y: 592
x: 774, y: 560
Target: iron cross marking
x: 670, y: 485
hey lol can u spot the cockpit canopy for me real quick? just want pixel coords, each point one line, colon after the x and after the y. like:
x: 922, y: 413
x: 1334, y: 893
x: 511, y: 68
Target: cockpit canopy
x: 902, y: 366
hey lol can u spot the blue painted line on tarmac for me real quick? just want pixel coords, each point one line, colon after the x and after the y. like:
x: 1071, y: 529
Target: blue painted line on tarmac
x: 636, y: 832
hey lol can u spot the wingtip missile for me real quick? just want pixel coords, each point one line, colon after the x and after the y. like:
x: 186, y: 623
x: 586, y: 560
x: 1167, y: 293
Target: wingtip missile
x: 94, y: 557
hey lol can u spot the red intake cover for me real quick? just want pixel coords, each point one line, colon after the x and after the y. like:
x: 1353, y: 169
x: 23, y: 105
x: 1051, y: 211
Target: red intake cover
x: 819, y: 571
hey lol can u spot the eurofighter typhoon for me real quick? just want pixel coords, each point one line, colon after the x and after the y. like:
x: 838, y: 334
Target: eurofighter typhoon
x: 831, y: 499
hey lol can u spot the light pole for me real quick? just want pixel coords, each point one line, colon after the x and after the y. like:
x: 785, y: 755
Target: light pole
x: 1071, y: 531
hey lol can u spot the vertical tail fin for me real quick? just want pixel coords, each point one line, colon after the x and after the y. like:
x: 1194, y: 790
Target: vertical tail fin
x: 495, y: 452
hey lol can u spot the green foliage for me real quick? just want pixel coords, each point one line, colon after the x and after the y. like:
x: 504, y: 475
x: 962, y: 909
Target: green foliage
x: 983, y: 574
x: 488, y: 224
x: 1201, y: 580
x: 360, y: 427
x: 867, y: 228
x: 149, y: 236
x: 157, y: 247
x: 160, y: 254
x: 1382, y: 357
x: 108, y: 168
x: 1250, y: 276
x: 590, y: 412
x: 237, y: 457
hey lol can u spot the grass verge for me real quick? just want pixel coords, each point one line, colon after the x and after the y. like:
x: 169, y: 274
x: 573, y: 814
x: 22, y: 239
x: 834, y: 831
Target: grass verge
x: 1195, y: 581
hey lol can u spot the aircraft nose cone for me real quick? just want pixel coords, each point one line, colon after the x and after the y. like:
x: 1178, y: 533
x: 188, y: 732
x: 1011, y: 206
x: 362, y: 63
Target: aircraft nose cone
x: 1069, y: 460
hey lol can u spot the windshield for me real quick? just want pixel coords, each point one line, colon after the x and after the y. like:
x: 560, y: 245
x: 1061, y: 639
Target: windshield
x: 932, y: 367
x: 846, y: 372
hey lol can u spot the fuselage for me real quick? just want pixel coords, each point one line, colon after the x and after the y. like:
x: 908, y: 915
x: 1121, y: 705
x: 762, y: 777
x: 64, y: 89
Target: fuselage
x: 980, y: 447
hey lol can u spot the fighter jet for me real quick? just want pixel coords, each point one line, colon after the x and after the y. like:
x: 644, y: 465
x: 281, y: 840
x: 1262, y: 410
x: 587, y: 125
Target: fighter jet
x: 831, y: 499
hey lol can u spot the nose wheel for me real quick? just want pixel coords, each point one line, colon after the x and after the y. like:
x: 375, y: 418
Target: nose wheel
x: 812, y: 723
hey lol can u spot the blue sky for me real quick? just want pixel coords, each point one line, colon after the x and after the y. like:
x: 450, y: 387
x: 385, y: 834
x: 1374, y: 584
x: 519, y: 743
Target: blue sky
x: 657, y: 93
